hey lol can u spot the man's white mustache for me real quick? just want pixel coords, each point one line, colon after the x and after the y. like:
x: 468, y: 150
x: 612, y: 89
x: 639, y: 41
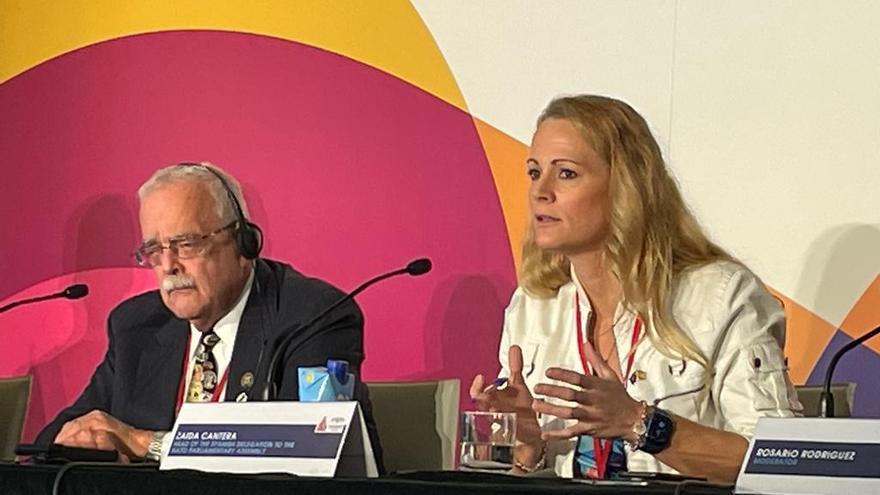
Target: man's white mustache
x: 175, y: 282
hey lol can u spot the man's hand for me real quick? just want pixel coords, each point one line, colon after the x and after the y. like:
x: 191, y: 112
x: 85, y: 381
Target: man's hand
x: 99, y: 430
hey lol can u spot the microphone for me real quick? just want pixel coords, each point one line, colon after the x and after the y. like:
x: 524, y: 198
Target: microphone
x: 418, y: 267
x: 415, y: 268
x: 75, y: 291
x: 826, y: 400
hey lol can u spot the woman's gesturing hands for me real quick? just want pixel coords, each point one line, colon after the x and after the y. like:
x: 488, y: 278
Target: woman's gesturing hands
x: 512, y: 396
x: 602, y: 406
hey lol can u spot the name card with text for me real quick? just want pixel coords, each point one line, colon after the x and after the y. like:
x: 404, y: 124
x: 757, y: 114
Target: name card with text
x: 812, y: 455
x: 304, y: 438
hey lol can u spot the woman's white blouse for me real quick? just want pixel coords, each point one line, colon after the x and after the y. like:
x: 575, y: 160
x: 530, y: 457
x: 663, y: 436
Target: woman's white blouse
x: 722, y: 306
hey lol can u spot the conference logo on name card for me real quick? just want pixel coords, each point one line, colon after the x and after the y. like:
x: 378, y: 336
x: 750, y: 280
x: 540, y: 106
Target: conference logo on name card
x: 310, y: 439
x: 812, y: 455
x: 334, y: 425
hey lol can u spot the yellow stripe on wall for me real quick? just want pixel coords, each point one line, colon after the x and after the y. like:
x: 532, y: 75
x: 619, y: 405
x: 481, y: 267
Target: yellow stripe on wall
x: 387, y: 34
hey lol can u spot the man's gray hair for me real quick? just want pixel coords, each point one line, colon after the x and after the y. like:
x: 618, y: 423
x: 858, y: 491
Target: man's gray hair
x: 200, y: 172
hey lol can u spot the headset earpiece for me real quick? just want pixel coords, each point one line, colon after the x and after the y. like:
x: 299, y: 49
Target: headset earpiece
x: 249, y: 238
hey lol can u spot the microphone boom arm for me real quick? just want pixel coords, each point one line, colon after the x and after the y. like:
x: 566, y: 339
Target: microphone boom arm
x: 75, y: 291
x: 826, y: 400
x: 270, y: 391
x: 28, y: 301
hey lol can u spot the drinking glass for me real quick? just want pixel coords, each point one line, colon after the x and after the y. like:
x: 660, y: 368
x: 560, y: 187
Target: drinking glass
x: 487, y: 439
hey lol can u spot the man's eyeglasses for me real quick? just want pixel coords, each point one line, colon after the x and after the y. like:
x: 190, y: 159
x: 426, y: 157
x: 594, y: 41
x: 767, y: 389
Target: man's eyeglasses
x: 183, y: 247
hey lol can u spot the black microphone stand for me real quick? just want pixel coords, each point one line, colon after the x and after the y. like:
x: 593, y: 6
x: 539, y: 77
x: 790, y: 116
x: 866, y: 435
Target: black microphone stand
x: 270, y: 391
x: 73, y: 292
x: 826, y: 400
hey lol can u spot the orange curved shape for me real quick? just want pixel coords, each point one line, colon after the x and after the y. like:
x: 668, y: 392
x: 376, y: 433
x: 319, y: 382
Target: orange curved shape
x: 865, y: 315
x: 507, y: 158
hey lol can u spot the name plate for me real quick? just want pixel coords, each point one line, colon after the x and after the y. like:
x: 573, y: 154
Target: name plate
x: 304, y: 438
x: 812, y: 455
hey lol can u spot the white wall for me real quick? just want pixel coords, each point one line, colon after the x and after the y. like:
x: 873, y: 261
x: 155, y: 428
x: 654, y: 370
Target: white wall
x: 769, y: 112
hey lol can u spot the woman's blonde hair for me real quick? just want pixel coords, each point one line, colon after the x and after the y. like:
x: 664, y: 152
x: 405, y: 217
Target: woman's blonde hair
x: 653, y: 236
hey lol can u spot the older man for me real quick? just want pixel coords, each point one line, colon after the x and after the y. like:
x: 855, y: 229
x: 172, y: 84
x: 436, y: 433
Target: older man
x: 207, y: 333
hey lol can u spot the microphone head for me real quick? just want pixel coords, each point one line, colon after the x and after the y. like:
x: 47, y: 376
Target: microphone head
x: 76, y: 291
x: 418, y: 267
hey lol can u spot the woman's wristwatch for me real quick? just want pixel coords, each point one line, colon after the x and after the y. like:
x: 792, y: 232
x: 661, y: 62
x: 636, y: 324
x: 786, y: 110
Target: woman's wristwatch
x: 653, y: 431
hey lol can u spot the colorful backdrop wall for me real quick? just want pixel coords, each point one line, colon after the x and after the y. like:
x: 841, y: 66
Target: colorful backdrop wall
x: 366, y: 134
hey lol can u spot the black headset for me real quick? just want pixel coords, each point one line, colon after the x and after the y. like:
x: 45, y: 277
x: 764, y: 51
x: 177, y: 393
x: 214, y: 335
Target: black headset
x: 248, y: 235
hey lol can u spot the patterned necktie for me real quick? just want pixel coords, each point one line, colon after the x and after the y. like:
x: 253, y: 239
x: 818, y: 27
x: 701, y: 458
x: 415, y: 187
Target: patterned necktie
x: 204, y: 375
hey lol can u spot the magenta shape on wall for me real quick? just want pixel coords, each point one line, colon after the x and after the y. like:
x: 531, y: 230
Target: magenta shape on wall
x: 350, y: 172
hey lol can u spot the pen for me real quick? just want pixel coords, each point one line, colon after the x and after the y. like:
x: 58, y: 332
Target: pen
x: 497, y: 384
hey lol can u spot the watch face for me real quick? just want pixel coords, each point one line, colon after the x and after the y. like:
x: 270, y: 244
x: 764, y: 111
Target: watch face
x: 662, y: 425
x: 659, y: 434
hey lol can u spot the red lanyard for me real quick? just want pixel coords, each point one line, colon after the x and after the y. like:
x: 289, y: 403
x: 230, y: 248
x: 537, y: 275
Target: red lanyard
x: 218, y: 389
x: 602, y: 448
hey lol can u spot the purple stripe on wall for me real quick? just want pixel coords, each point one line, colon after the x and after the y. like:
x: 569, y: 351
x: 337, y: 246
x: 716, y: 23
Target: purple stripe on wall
x: 860, y: 365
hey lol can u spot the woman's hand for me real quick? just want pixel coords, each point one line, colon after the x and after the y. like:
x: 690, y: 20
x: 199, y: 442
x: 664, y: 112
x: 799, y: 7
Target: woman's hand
x: 603, y: 409
x: 513, y: 396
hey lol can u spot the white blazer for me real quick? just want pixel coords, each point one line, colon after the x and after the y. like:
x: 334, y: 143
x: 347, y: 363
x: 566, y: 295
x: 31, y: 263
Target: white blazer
x: 722, y: 306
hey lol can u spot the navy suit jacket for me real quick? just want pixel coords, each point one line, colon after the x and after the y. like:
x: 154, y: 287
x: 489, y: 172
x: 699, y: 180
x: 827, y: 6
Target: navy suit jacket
x: 138, y: 379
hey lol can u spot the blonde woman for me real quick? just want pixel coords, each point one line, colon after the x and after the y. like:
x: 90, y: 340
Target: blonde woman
x: 633, y: 343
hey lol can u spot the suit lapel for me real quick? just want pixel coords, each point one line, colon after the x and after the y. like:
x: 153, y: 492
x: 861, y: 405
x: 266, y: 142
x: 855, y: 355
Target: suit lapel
x: 161, y: 366
x: 250, y: 339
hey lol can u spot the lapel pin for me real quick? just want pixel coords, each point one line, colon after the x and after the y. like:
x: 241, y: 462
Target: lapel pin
x: 636, y: 376
x: 247, y: 380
